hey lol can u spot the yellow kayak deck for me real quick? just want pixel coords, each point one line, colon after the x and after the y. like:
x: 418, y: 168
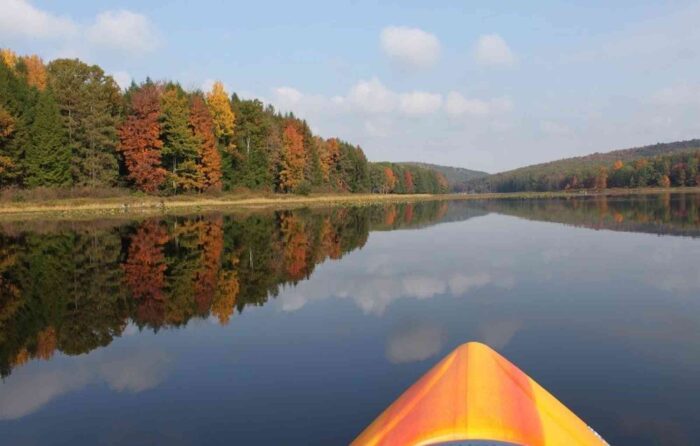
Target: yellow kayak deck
x: 475, y: 393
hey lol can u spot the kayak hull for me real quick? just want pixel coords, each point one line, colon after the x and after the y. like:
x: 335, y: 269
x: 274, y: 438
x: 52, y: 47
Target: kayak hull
x: 475, y: 394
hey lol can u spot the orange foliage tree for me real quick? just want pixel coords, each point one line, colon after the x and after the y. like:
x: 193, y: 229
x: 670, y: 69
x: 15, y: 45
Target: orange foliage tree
x: 139, y: 140
x: 36, y: 71
x: 408, y: 182
x: 293, y: 158
x: 203, y: 129
x: 390, y: 180
x: 329, y: 157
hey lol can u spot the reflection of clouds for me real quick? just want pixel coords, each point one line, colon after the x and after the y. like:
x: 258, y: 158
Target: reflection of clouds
x: 28, y: 389
x: 137, y: 373
x: 373, y: 294
x: 414, y: 342
x: 462, y: 283
x: 27, y: 392
x: 498, y: 334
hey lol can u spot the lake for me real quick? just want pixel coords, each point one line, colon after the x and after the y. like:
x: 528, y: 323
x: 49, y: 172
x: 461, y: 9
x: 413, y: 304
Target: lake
x: 300, y: 327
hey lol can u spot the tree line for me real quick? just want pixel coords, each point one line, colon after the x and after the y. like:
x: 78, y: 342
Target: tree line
x: 68, y: 124
x: 75, y: 287
x: 677, y: 168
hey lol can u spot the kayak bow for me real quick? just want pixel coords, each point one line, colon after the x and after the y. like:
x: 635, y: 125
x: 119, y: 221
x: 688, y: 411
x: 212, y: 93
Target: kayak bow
x: 476, y: 396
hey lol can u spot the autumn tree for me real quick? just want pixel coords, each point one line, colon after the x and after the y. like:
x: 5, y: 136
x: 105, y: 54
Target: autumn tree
x: 35, y: 71
x: 390, y: 179
x: 222, y: 116
x: 139, y: 139
x: 47, y: 158
x: 179, y: 143
x: 408, y: 181
x: 202, y: 127
x: 291, y: 172
x: 8, y: 57
x: 89, y: 101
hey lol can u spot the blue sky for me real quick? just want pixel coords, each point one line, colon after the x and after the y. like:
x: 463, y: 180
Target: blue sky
x: 473, y: 84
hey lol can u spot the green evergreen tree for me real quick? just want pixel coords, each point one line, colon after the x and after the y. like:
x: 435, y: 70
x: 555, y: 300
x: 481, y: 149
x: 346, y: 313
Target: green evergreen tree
x: 179, y: 144
x: 90, y: 102
x: 47, y: 158
x: 17, y: 101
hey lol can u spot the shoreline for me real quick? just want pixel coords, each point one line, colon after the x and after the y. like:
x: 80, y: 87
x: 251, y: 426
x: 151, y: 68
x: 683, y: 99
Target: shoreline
x: 139, y: 205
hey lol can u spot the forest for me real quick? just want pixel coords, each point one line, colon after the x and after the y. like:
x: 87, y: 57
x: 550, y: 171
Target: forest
x: 661, y: 165
x: 67, y: 124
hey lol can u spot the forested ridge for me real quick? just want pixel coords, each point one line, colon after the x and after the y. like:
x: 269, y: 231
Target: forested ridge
x: 662, y: 165
x: 67, y: 124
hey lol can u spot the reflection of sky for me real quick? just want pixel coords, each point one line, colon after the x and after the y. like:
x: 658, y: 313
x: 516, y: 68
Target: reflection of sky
x: 31, y: 387
x: 607, y: 321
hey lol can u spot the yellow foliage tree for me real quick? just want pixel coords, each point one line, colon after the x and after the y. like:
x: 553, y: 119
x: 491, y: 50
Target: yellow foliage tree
x: 8, y: 57
x: 36, y: 71
x: 222, y: 114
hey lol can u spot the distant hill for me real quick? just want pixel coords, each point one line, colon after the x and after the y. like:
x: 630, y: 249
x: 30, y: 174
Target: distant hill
x: 454, y: 175
x: 581, y: 171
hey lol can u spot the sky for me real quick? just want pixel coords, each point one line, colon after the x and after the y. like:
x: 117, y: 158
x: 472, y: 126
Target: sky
x: 480, y: 84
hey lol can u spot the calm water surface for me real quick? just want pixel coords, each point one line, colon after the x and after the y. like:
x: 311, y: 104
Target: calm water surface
x: 301, y: 327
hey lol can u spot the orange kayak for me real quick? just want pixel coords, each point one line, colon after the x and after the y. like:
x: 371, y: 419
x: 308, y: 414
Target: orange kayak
x: 477, y: 396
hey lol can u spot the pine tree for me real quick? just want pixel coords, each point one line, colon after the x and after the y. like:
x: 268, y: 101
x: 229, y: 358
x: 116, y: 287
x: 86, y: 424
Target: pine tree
x: 17, y: 102
x: 48, y: 156
x: 89, y: 102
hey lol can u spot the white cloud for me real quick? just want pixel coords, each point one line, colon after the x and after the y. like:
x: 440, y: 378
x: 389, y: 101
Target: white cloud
x: 123, y: 31
x: 492, y: 50
x: 287, y: 96
x: 18, y: 18
x: 419, y: 103
x: 122, y: 78
x: 372, y: 97
x: 456, y: 105
x: 411, y: 47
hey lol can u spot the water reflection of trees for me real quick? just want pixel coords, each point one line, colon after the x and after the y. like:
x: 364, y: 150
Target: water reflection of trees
x: 667, y: 213
x: 73, y: 288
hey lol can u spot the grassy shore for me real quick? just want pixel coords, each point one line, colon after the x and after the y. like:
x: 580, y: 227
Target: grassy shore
x: 144, y: 204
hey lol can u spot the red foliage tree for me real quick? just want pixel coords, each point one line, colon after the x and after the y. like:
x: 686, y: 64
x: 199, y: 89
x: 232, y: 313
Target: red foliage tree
x: 139, y: 140
x: 408, y: 182
x: 202, y: 126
